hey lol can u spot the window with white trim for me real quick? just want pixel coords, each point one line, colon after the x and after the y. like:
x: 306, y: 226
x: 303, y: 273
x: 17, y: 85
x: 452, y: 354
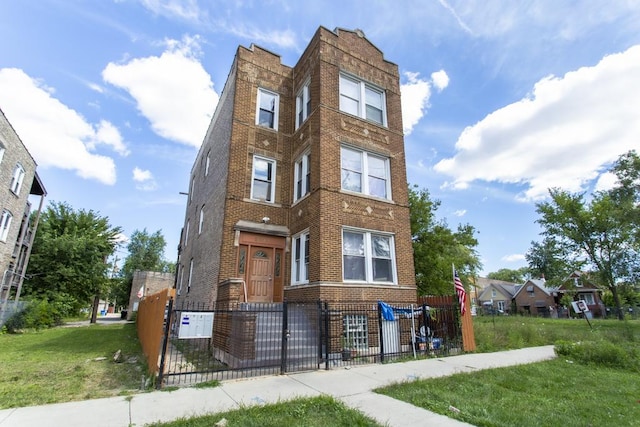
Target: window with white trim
x: 263, y: 183
x: 501, y: 305
x: 5, y: 224
x: 267, y: 109
x: 300, y: 258
x: 2, y: 149
x: 362, y: 99
x: 186, y: 234
x: 303, y: 104
x: 365, y: 173
x: 190, y: 275
x: 193, y: 184
x: 302, y: 177
x: 587, y: 298
x: 367, y: 256
x: 207, y: 162
x: 201, y: 221
x: 18, y: 177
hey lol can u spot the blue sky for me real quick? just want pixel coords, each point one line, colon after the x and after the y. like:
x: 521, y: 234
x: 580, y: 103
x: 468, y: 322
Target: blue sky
x: 501, y: 99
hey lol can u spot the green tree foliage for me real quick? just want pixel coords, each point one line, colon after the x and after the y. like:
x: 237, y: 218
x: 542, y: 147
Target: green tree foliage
x: 514, y: 276
x: 436, y: 247
x: 146, y: 253
x: 68, y: 260
x: 549, y: 260
x: 601, y: 232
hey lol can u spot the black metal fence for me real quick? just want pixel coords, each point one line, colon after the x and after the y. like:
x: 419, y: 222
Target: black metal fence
x: 246, y: 339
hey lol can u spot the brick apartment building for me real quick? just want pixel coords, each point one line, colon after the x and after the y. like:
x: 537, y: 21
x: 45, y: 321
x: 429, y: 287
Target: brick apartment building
x: 299, y: 190
x: 18, y: 181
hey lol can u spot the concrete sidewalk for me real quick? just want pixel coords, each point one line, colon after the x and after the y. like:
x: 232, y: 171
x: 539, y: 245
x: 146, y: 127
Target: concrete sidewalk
x: 352, y: 386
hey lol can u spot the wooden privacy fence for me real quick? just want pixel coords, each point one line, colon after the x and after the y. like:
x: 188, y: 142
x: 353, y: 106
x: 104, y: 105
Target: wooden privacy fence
x: 466, y: 321
x: 150, y: 321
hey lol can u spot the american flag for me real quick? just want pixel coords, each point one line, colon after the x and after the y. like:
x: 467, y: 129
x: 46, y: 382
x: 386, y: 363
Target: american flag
x: 462, y: 294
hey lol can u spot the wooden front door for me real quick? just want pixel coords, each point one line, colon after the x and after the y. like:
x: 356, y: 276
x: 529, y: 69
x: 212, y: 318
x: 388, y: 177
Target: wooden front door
x: 260, y: 283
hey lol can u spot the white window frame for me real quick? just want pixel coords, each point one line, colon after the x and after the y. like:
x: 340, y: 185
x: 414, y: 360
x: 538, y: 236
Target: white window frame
x: 206, y: 164
x: 17, y: 179
x: 365, y: 173
x: 501, y: 305
x: 201, y: 220
x: 369, y: 257
x: 301, y: 177
x: 587, y: 298
x: 303, y: 106
x: 300, y: 258
x: 360, y: 100
x: 190, y: 275
x: 2, y: 150
x: 275, y: 109
x: 5, y: 225
x: 193, y: 184
x: 272, y: 181
x: 186, y: 234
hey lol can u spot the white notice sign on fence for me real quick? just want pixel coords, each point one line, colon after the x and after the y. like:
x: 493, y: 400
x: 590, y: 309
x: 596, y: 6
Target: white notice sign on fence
x: 195, y: 325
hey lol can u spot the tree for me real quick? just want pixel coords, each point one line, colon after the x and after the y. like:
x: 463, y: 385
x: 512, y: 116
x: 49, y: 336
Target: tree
x: 548, y: 259
x: 602, y: 232
x: 513, y: 276
x: 68, y: 260
x: 146, y: 253
x: 436, y: 247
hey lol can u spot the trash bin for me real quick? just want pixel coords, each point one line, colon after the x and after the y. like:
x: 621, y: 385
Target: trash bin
x: 123, y: 314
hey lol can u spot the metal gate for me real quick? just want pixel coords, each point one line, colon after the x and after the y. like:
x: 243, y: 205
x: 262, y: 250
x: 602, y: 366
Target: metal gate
x: 248, y: 339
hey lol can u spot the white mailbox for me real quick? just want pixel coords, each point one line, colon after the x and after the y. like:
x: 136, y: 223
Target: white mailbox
x: 195, y: 325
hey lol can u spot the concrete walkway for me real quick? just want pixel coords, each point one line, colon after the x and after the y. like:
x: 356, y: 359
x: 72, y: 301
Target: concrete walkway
x: 352, y: 386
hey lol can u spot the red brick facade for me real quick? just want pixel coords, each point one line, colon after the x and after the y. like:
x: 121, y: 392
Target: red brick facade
x: 246, y: 246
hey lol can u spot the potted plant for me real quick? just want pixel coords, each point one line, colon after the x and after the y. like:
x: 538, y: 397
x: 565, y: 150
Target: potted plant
x: 348, y: 349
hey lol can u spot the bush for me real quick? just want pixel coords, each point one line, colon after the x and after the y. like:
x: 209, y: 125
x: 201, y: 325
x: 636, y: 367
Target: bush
x: 37, y: 314
x: 603, y: 353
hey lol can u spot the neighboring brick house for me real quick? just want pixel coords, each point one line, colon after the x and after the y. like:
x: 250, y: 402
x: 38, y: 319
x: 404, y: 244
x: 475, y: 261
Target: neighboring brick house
x: 147, y: 283
x: 535, y: 298
x: 579, y: 288
x: 496, y: 295
x: 299, y: 189
x: 18, y: 180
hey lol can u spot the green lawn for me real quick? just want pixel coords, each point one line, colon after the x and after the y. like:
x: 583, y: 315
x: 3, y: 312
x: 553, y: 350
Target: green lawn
x: 553, y: 393
x: 322, y: 411
x: 65, y: 364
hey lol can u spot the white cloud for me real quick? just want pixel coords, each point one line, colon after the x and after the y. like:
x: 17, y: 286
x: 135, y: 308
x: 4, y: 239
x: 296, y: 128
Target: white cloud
x: 416, y: 94
x: 144, y: 179
x: 173, y: 90
x: 283, y: 39
x: 514, y: 258
x: 460, y: 212
x: 56, y: 135
x: 440, y: 80
x: 183, y: 9
x: 605, y: 182
x: 562, y: 135
x: 108, y: 134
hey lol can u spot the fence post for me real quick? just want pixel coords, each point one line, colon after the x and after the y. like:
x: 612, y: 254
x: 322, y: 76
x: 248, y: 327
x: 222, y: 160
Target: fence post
x: 165, y: 343
x: 285, y: 336
x: 327, y: 335
x: 381, y: 334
